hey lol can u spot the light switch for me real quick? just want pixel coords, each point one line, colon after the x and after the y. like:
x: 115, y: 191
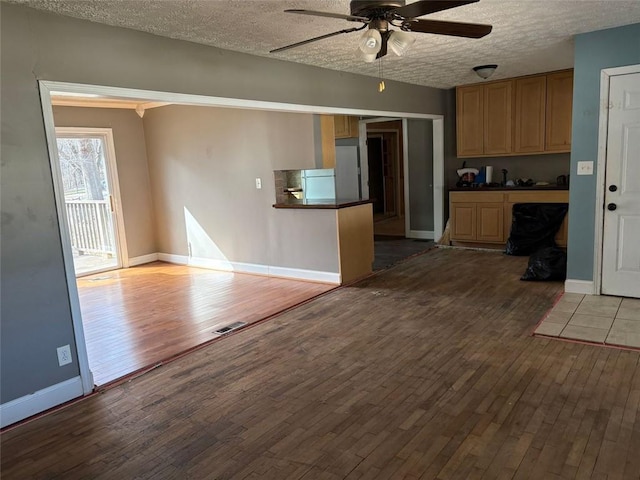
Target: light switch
x: 585, y: 168
x: 258, y: 183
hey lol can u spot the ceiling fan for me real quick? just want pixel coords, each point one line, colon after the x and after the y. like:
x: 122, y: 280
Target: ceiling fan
x: 380, y: 15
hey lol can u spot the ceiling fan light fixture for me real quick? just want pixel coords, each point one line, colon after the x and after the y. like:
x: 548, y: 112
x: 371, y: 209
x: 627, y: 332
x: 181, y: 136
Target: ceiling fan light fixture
x: 399, y: 42
x: 367, y: 57
x: 371, y: 42
x: 485, y: 71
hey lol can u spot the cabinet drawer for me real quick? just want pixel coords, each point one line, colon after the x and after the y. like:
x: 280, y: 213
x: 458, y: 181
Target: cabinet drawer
x: 476, y: 197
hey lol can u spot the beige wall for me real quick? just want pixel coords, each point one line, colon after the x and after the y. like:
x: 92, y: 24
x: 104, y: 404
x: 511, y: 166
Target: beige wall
x: 203, y: 164
x: 133, y: 171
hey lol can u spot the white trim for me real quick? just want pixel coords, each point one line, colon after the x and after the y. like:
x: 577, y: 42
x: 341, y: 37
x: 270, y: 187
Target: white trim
x: 311, y: 275
x: 584, y: 287
x: 605, y: 78
x: 67, y: 254
x: 111, y: 166
x: 24, y: 407
x: 421, y: 234
x: 405, y: 172
x: 192, y: 99
x: 251, y: 268
x: 438, y: 177
x: 142, y: 259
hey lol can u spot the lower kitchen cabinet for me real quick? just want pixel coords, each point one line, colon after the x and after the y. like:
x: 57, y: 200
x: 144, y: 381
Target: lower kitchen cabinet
x: 483, y: 218
x: 477, y: 217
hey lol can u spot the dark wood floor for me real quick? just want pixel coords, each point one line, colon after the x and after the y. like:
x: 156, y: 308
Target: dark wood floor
x: 426, y: 370
x: 137, y: 317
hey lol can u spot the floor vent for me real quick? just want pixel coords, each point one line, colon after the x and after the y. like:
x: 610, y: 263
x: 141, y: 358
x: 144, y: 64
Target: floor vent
x: 230, y: 328
x: 98, y: 279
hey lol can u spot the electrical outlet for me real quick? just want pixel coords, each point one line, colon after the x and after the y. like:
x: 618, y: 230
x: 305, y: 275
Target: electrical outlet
x: 585, y: 168
x: 258, y: 183
x: 64, y: 355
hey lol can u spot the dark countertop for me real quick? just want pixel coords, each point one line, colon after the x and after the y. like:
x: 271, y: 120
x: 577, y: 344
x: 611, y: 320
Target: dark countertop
x: 497, y: 189
x: 329, y: 203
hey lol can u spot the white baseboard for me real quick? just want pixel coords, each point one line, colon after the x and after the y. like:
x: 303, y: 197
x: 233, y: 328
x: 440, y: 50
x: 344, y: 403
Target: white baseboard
x: 24, y: 407
x: 300, y: 274
x: 252, y: 268
x: 420, y: 234
x: 142, y: 259
x: 585, y: 287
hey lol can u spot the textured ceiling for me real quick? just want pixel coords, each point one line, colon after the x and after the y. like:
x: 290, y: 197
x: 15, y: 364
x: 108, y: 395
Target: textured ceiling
x: 529, y: 36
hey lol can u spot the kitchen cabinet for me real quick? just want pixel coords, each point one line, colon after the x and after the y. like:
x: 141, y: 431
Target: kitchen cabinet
x: 328, y: 141
x: 345, y: 126
x: 529, y: 125
x: 498, y: 100
x: 483, y: 118
x: 483, y: 218
x: 470, y: 120
x: 558, y: 112
x: 477, y: 217
x: 519, y: 116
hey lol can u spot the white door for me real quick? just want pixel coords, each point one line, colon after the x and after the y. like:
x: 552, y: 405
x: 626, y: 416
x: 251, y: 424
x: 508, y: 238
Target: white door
x: 621, y: 237
x: 91, y: 199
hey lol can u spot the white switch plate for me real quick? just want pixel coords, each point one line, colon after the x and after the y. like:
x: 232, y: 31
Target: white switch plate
x: 258, y: 183
x: 585, y: 168
x: 64, y: 355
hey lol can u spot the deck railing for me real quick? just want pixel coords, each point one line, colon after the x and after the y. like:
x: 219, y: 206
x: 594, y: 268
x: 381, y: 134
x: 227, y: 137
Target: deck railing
x: 91, y: 226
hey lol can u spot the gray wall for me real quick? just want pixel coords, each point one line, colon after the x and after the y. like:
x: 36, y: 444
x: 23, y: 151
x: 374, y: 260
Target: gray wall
x: 203, y: 163
x: 35, y: 307
x: 420, y: 149
x: 131, y: 162
x: 594, y: 51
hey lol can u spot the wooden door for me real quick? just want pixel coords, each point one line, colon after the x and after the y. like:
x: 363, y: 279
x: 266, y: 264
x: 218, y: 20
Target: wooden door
x: 558, y: 111
x: 498, y: 117
x: 621, y: 248
x: 530, y: 114
x: 469, y: 119
x: 463, y: 221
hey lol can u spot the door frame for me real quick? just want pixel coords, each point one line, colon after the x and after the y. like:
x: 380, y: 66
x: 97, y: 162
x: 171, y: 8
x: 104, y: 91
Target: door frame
x: 47, y: 87
x: 605, y: 79
x: 438, y: 171
x: 114, y: 188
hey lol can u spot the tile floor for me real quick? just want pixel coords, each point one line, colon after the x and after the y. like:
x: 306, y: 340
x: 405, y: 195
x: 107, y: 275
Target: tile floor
x: 594, y: 318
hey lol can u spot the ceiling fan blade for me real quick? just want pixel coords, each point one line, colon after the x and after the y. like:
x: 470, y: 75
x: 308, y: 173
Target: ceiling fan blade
x: 424, y: 7
x: 455, y: 29
x: 315, y: 39
x: 351, y: 18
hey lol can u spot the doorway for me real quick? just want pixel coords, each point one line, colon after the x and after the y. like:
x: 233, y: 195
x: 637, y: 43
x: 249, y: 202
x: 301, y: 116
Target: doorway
x: 621, y: 223
x: 91, y: 198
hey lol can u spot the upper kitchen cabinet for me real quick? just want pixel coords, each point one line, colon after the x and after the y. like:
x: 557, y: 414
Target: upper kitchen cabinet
x: 470, y: 120
x: 529, y: 131
x: 483, y: 116
x: 498, y: 100
x: 559, y: 107
x: 520, y: 116
x: 345, y: 126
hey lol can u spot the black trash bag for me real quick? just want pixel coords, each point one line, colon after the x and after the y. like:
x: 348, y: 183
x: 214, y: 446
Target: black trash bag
x: 547, y: 264
x: 534, y: 226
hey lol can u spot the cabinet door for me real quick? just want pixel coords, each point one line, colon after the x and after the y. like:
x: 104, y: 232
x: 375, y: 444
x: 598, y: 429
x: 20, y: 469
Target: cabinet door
x: 328, y: 141
x: 490, y: 218
x: 463, y: 221
x: 341, y: 126
x: 469, y: 120
x: 530, y: 114
x: 559, y: 106
x: 497, y: 117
